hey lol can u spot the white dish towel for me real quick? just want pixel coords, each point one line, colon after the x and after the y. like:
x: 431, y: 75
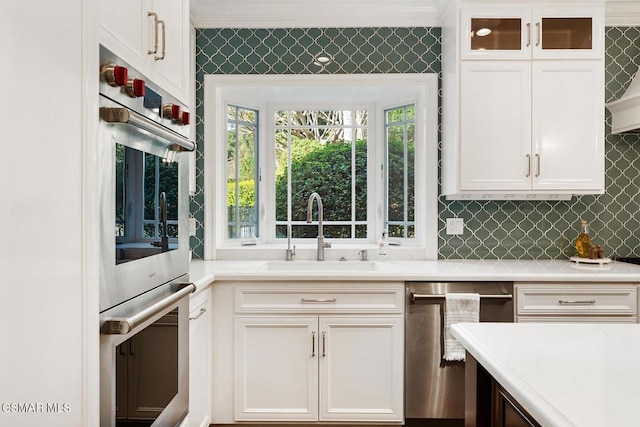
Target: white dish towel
x: 459, y: 307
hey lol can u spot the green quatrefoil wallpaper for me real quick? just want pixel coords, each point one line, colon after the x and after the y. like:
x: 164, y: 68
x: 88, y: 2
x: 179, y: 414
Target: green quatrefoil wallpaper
x: 493, y: 229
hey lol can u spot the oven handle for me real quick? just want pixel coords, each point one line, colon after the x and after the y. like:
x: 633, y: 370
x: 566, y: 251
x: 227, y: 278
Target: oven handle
x: 125, y: 325
x: 505, y: 297
x: 126, y: 116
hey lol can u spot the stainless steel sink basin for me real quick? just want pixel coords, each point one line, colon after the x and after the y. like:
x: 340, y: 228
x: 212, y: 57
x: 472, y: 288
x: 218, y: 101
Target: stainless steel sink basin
x: 320, y: 266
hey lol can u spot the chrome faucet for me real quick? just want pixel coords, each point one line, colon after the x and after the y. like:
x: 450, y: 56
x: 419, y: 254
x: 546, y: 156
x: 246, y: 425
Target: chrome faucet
x: 321, y: 243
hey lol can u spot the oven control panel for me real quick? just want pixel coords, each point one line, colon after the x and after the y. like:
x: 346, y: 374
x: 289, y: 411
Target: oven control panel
x: 123, y: 84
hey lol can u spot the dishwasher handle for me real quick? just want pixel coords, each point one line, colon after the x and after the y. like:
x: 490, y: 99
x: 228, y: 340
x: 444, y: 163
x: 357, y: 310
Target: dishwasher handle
x: 500, y: 297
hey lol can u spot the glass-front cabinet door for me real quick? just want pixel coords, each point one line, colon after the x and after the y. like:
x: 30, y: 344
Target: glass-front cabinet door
x: 490, y: 32
x: 573, y: 33
x: 495, y: 33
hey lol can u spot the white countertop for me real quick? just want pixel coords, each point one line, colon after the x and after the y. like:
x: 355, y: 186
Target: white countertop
x: 204, y: 272
x: 582, y: 375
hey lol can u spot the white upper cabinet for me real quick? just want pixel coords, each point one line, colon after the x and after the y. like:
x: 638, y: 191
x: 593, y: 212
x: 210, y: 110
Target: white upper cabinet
x: 538, y: 32
x: 523, y: 100
x: 153, y: 37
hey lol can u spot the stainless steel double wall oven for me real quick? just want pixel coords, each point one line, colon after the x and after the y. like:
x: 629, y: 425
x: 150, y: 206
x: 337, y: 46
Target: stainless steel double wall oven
x: 143, y: 146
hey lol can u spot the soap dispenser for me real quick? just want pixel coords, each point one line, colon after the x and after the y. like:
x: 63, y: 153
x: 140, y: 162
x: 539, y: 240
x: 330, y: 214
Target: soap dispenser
x: 383, y: 247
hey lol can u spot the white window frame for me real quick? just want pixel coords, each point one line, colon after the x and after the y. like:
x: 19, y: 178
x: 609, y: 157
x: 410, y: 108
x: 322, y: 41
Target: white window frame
x: 257, y: 92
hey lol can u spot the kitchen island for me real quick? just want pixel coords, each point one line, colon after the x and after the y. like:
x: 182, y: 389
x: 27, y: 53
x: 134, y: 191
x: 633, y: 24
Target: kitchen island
x: 562, y: 374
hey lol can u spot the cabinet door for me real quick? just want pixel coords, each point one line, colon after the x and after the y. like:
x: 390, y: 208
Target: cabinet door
x: 495, y: 32
x: 568, y: 32
x: 361, y: 369
x: 124, y: 26
x: 172, y: 72
x: 495, y: 120
x: 200, y: 363
x: 276, y: 368
x: 568, y: 133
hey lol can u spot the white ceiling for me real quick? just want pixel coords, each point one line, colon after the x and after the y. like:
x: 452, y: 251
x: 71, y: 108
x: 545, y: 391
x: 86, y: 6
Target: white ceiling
x: 351, y: 13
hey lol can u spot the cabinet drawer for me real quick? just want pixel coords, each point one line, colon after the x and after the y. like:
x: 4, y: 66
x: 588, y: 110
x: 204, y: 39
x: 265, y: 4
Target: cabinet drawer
x: 320, y: 298
x: 568, y: 300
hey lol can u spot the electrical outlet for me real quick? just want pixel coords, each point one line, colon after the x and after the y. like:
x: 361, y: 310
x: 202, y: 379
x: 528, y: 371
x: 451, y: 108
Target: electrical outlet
x: 192, y: 226
x: 455, y: 226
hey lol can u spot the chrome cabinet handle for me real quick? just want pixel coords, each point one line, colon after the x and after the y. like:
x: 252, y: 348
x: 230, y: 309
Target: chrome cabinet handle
x: 539, y: 31
x: 576, y: 302
x: 314, y: 300
x: 324, y: 344
x: 197, y: 316
x: 155, y: 32
x: 528, y: 165
x: 313, y: 344
x: 164, y: 40
x: 528, y: 34
x: 538, y: 160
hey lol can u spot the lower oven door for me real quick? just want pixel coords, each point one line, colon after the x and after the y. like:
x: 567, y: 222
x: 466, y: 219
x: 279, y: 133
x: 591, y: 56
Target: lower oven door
x: 144, y: 359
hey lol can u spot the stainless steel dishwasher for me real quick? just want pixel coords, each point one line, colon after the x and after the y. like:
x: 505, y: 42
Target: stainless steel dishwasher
x: 434, y: 388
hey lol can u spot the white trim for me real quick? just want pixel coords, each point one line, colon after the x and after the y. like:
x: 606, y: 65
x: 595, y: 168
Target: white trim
x: 353, y: 13
x: 328, y: 13
x: 90, y: 217
x: 622, y: 13
x: 216, y: 85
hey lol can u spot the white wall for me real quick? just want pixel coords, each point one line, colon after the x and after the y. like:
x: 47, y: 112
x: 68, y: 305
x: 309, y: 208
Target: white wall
x: 46, y: 301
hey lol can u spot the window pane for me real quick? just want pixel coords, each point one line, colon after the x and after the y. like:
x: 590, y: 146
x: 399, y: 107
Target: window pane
x: 394, y: 116
x: 361, y: 179
x: 400, y: 171
x: 242, y: 185
x: 247, y: 116
x: 328, y: 155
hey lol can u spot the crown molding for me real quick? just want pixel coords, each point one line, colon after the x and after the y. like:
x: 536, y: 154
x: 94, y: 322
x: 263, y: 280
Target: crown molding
x: 352, y: 13
x: 622, y: 13
x: 320, y: 14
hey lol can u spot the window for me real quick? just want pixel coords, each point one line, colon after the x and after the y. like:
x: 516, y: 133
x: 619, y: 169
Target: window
x: 323, y: 151
x: 242, y: 173
x: 400, y: 147
x: 366, y: 143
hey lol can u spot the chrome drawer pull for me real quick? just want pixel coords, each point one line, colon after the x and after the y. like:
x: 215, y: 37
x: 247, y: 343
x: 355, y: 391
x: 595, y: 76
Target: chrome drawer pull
x: 576, y: 302
x: 322, y: 301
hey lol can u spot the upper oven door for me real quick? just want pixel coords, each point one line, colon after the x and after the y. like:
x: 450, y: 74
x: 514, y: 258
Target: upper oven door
x: 144, y: 204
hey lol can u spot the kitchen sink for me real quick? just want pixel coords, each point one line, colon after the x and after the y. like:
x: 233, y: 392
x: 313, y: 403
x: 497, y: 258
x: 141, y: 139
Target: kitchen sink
x: 320, y: 266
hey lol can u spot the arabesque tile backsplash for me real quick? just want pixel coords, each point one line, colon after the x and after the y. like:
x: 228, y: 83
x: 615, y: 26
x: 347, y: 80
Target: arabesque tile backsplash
x: 493, y: 229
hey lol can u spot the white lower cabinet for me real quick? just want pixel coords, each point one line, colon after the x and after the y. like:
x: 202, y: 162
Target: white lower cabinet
x: 576, y: 302
x: 309, y: 354
x: 361, y: 369
x: 200, y: 360
x: 276, y: 368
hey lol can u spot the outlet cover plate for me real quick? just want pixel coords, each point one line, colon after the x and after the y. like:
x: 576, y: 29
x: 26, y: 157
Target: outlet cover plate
x: 455, y: 226
x: 192, y: 226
